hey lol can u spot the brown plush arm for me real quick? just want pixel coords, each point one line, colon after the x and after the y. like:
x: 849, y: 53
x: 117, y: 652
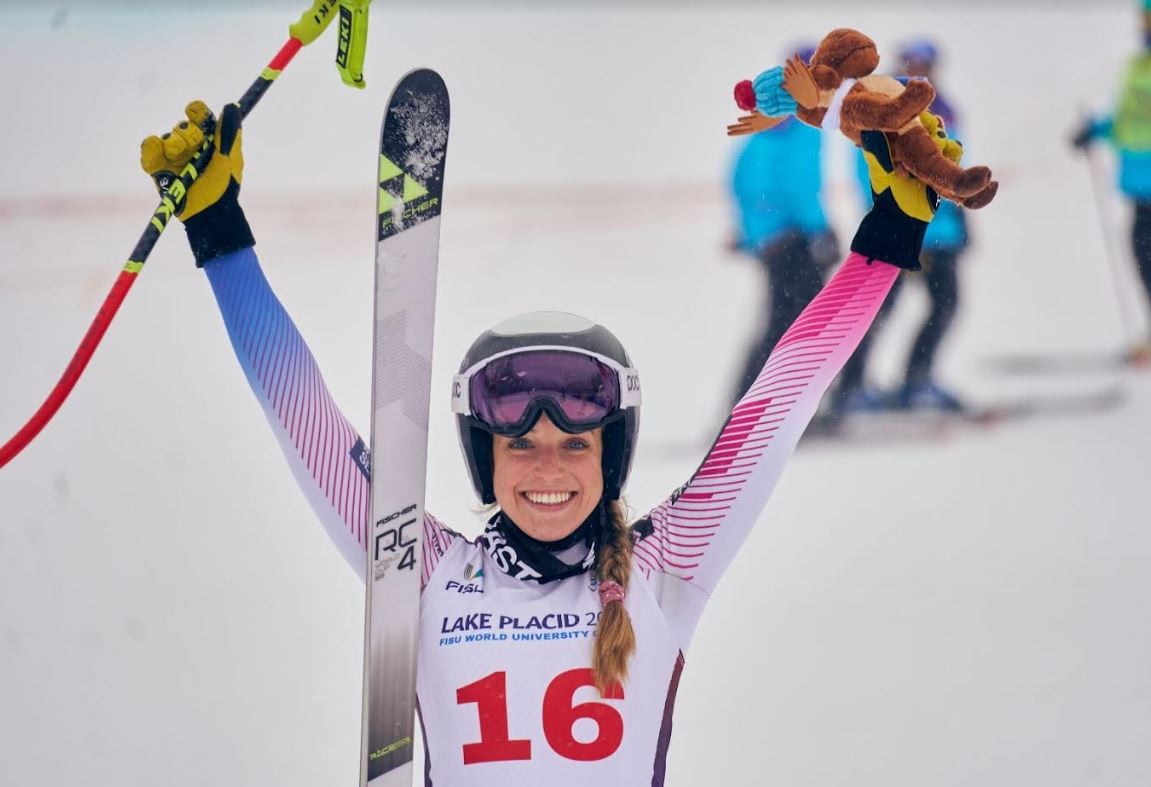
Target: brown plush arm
x: 869, y: 110
x: 812, y: 117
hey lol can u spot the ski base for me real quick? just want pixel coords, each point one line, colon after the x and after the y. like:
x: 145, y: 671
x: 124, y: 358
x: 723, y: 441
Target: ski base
x: 923, y: 425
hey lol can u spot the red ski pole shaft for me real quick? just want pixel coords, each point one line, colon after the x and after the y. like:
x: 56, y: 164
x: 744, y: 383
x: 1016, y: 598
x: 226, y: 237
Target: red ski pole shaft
x: 303, y: 32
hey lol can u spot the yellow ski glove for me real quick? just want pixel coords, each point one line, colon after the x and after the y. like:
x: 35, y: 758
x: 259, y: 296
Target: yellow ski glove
x: 951, y: 148
x: 211, y: 214
x: 164, y: 157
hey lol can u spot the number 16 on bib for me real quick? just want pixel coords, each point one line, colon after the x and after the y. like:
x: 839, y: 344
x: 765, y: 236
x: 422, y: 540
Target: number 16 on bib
x: 413, y: 149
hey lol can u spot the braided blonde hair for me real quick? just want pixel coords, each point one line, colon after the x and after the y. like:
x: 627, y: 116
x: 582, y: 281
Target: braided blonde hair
x: 615, y: 637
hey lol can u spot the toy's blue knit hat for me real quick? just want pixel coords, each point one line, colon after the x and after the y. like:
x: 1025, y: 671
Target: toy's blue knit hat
x: 769, y: 95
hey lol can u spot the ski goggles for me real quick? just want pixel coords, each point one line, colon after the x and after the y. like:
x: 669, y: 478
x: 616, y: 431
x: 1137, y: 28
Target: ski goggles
x: 579, y: 391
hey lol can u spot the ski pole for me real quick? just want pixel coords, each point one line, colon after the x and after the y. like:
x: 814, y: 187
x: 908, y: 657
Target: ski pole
x: 305, y: 30
x: 1100, y: 193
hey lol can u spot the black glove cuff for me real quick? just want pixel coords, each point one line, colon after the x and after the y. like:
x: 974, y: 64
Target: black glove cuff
x: 220, y: 228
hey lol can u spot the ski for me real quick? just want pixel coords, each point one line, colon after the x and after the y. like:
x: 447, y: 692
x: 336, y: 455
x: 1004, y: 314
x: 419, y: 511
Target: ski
x: 1070, y: 363
x: 896, y: 426
x: 1045, y: 406
x: 413, y: 149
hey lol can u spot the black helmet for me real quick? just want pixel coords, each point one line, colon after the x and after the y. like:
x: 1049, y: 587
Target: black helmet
x: 500, y: 356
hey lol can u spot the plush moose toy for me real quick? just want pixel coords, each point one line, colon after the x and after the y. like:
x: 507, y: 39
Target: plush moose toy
x: 839, y: 90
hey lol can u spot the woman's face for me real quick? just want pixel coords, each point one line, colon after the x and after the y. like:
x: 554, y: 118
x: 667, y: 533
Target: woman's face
x: 548, y: 481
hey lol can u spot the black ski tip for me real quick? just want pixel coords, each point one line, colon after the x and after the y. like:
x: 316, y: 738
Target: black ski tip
x: 423, y: 79
x: 413, y: 152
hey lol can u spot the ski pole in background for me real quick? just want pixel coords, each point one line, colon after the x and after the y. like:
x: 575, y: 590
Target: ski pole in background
x: 1101, y: 195
x: 306, y: 29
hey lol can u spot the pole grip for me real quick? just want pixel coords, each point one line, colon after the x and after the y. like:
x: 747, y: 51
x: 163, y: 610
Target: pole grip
x: 314, y: 21
x: 352, y: 42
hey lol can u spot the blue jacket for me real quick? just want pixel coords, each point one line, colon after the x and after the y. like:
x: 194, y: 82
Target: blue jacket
x: 776, y: 182
x: 1135, y: 174
x: 1134, y: 165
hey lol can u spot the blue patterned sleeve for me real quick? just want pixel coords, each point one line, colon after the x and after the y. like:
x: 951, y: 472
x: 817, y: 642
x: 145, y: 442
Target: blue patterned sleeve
x: 327, y: 457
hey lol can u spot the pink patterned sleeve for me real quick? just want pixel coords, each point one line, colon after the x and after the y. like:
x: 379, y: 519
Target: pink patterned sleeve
x: 695, y: 533
x: 437, y: 539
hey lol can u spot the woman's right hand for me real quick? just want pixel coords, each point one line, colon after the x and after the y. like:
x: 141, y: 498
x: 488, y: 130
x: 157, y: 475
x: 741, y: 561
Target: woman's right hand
x: 211, y: 212
x: 165, y: 157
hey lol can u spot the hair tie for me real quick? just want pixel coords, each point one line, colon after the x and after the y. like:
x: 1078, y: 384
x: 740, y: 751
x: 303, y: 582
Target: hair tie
x: 610, y: 591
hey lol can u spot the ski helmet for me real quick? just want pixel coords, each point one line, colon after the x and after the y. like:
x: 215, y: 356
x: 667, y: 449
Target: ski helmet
x: 546, y: 362
x: 805, y: 50
x: 919, y: 50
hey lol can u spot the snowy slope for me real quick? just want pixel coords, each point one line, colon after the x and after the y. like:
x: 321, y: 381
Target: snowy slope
x: 954, y: 614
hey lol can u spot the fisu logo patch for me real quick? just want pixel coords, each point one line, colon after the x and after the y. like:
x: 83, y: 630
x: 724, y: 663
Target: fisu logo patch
x: 460, y: 587
x: 469, y: 585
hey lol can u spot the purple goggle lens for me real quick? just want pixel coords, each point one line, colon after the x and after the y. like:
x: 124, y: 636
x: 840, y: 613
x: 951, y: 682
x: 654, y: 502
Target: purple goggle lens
x: 582, y: 391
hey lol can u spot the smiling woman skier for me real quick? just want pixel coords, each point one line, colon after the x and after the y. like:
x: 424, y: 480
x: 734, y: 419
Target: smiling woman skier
x: 551, y: 646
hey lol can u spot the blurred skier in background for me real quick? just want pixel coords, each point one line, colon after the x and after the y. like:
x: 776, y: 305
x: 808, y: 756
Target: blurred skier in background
x: 777, y: 184
x: 945, y: 242
x: 1128, y: 129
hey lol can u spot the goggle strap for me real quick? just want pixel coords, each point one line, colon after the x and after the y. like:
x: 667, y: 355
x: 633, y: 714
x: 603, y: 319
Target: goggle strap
x: 461, y: 396
x: 606, y: 361
x: 629, y: 390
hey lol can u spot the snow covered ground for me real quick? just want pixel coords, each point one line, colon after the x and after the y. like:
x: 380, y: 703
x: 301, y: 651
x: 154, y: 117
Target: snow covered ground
x: 948, y: 614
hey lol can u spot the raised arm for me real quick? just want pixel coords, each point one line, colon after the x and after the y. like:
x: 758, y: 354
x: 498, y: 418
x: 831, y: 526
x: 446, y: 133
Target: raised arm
x: 695, y: 533
x: 327, y: 457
